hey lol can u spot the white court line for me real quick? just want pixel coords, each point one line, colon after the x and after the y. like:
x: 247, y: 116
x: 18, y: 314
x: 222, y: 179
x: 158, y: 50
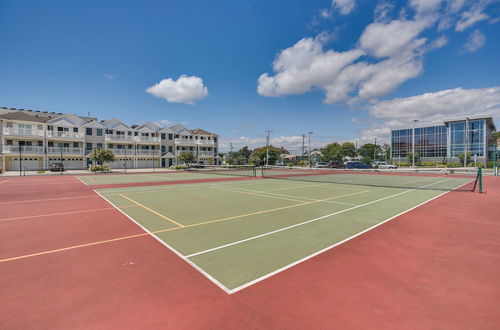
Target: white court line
x: 302, y: 223
x: 180, y: 255
x: 246, y: 285
x: 81, y: 180
x: 292, y: 196
x: 4, y: 181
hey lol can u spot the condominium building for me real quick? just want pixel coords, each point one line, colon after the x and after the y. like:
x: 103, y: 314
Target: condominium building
x: 446, y: 140
x: 33, y: 140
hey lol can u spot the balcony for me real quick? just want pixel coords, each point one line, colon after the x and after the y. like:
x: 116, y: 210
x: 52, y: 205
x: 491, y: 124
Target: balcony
x: 25, y: 150
x: 206, y: 154
x: 185, y: 142
x: 64, y: 135
x: 147, y: 139
x: 22, y: 132
x: 123, y: 152
x: 64, y: 150
x: 121, y: 138
x: 205, y: 142
x: 156, y: 153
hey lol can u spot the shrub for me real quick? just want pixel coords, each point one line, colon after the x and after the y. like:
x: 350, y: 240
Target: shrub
x: 180, y: 167
x: 454, y: 164
x: 40, y: 172
x: 429, y: 164
x: 100, y: 168
x: 1, y: 171
x: 480, y: 165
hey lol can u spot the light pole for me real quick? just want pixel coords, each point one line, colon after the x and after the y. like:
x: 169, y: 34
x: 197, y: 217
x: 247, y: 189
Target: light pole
x: 413, y: 143
x: 375, y: 151
x: 309, y: 149
x: 466, y: 142
x: 267, y: 147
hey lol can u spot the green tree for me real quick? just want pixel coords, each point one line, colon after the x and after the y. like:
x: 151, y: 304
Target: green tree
x: 386, y: 151
x: 258, y: 155
x: 461, y: 156
x: 347, y: 149
x: 370, y: 150
x: 101, y: 156
x: 331, y: 151
x: 410, y: 158
x: 186, y: 157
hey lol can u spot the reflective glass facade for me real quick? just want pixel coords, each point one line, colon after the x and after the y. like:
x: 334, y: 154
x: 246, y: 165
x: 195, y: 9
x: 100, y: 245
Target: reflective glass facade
x: 442, y: 141
x: 429, y: 142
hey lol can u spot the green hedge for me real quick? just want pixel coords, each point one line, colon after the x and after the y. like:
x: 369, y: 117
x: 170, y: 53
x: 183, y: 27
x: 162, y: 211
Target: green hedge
x: 100, y: 168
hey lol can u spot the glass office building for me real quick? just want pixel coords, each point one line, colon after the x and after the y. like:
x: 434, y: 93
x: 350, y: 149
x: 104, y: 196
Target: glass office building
x: 446, y: 141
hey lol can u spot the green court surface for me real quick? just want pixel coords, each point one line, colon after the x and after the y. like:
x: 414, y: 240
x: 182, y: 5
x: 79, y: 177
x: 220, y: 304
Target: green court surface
x: 238, y: 233
x: 98, y: 179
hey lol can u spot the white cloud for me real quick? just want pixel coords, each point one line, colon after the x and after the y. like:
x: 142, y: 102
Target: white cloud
x: 475, y: 41
x: 163, y: 123
x: 439, y: 43
x: 431, y: 108
x: 344, y: 6
x: 471, y: 17
x: 186, y: 89
x: 110, y: 76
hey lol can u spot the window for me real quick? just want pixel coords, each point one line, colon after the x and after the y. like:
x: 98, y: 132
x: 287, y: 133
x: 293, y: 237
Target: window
x: 170, y: 149
x: 170, y: 136
x: 9, y: 142
x: 176, y: 136
x: 110, y: 146
x: 129, y: 133
x: 215, y: 139
x: 40, y: 143
x: 40, y: 127
x: 50, y: 128
x: 75, y: 145
x: 99, y: 131
x: 163, y: 149
x: 88, y: 131
x: 9, y: 124
x: 163, y: 136
x: 75, y: 129
x: 88, y: 146
x: 50, y: 144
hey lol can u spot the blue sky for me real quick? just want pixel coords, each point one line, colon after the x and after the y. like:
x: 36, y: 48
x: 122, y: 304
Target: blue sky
x: 343, y: 69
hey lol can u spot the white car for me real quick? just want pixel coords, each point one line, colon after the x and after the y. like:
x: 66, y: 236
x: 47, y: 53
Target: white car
x: 321, y: 165
x: 385, y: 165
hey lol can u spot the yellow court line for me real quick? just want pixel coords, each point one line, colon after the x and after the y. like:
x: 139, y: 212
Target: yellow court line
x: 296, y: 187
x: 257, y: 194
x: 272, y: 210
x: 166, y: 230
x: 152, y: 211
x: 63, y: 213
x: 89, y: 178
x: 49, y: 199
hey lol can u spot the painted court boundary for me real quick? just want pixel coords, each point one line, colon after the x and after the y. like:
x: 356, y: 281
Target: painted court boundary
x: 231, y: 291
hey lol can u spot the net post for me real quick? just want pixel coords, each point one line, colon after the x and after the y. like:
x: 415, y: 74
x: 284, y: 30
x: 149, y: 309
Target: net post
x: 480, y: 179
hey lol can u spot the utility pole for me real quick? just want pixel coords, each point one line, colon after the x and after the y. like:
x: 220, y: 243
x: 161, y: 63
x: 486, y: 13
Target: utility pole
x: 267, y: 147
x: 303, y: 138
x: 375, y: 150
x: 309, y: 149
x: 413, y: 143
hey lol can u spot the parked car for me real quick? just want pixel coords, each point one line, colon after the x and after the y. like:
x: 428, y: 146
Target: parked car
x: 321, y: 165
x: 196, y: 165
x: 358, y: 165
x: 385, y: 165
x: 280, y: 164
x: 57, y: 167
x: 336, y: 164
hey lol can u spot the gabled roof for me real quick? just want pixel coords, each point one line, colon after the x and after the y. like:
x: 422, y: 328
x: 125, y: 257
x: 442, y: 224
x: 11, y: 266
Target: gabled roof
x: 167, y: 130
x: 94, y: 124
x: 67, y: 120
x: 152, y: 127
x: 115, y: 123
x: 180, y: 129
x: 21, y: 116
x: 201, y: 131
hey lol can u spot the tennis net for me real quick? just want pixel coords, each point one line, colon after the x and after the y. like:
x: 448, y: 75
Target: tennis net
x: 431, y: 179
x: 232, y: 170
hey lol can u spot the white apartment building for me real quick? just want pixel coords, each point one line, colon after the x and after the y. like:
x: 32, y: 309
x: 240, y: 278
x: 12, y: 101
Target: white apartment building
x: 33, y: 140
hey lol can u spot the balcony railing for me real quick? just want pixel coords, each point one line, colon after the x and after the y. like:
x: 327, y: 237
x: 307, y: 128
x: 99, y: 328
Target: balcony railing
x: 193, y: 142
x: 151, y: 139
x: 115, y: 137
x: 123, y: 152
x: 64, y: 150
x: 22, y: 131
x: 148, y: 152
x: 206, y: 153
x: 23, y: 150
x: 64, y: 134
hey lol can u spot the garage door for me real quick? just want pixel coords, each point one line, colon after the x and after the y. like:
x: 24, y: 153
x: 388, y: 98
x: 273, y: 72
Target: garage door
x: 73, y: 164
x: 28, y: 164
x: 146, y: 163
x: 120, y: 163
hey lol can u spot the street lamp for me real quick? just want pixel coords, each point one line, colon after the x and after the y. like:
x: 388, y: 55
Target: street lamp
x: 413, y: 143
x: 466, y: 142
x: 267, y: 147
x: 309, y: 148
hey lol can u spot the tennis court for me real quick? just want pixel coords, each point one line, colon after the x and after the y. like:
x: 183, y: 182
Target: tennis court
x: 240, y: 232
